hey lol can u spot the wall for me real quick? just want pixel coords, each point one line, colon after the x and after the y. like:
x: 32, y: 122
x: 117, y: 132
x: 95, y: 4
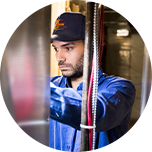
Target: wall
x: 124, y: 57
x: 56, y: 10
x: 137, y: 55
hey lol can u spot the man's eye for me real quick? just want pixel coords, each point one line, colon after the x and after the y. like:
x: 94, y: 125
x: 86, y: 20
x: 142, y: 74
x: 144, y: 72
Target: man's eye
x: 56, y: 49
x: 69, y: 48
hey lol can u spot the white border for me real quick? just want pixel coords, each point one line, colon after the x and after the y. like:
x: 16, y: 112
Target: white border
x: 120, y: 1
x: 4, y: 113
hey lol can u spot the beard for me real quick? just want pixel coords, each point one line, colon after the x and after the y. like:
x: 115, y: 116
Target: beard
x: 75, y: 71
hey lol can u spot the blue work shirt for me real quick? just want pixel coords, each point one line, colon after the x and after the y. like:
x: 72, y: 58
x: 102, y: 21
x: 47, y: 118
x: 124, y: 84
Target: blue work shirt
x: 115, y: 99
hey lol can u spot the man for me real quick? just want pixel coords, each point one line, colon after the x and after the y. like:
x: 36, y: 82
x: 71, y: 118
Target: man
x: 114, y: 99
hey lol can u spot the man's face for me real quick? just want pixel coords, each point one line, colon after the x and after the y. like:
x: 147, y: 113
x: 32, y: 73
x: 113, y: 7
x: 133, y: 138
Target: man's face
x: 69, y: 56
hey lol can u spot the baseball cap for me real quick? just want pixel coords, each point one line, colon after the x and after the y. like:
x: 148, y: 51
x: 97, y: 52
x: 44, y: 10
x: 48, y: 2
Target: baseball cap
x: 69, y: 26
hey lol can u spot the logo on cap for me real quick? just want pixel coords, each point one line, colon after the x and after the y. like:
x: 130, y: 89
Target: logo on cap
x: 59, y: 25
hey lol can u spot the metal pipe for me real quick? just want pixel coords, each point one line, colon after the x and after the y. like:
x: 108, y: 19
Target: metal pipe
x: 86, y: 73
x: 96, y: 69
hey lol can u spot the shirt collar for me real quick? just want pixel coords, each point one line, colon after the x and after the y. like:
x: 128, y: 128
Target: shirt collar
x: 68, y: 83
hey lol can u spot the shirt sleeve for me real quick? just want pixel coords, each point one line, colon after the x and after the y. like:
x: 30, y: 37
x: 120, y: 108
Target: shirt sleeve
x: 114, y: 103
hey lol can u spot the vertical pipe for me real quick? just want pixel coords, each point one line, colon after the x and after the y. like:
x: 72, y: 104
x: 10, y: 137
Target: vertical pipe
x: 86, y: 73
x: 96, y: 68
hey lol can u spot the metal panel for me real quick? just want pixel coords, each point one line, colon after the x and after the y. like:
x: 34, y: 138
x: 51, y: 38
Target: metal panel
x: 146, y: 80
x: 25, y: 75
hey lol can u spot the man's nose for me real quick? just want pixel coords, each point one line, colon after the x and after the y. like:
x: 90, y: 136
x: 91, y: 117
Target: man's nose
x: 60, y: 56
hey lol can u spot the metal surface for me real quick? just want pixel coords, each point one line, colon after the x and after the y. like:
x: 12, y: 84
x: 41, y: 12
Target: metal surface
x: 5, y: 86
x: 146, y: 80
x: 86, y: 73
x: 25, y: 75
x: 96, y: 69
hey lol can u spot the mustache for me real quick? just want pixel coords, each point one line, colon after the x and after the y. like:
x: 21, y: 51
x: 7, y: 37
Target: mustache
x: 62, y: 63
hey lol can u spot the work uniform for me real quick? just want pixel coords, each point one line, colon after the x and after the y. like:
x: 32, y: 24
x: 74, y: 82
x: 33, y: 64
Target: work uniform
x: 115, y: 99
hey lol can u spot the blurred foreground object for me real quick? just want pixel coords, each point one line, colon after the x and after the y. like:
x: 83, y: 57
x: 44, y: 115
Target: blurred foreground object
x: 25, y: 75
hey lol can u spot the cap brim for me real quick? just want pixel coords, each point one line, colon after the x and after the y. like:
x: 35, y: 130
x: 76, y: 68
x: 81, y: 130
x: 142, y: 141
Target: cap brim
x: 63, y: 39
x: 54, y: 37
